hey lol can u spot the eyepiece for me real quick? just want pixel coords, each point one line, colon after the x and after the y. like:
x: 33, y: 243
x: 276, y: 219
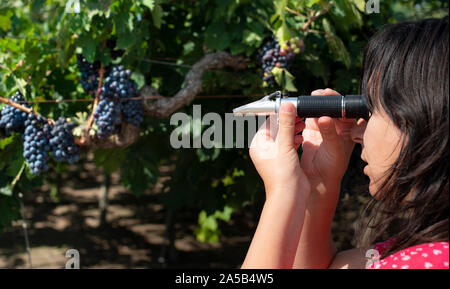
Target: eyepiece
x: 356, y: 107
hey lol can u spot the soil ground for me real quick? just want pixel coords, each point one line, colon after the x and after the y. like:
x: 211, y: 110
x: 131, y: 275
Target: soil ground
x: 135, y: 230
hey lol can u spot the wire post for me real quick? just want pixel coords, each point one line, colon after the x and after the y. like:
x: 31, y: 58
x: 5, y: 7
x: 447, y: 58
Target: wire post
x: 25, y: 230
x: 103, y: 200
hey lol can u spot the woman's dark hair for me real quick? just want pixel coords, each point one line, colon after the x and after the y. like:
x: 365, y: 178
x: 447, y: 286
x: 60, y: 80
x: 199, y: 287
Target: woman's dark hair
x: 406, y: 71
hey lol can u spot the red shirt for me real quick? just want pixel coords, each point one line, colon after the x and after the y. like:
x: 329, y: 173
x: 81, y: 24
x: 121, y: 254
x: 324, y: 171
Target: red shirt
x: 424, y: 256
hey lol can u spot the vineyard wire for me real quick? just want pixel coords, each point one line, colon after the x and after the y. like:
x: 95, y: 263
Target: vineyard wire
x: 139, y: 98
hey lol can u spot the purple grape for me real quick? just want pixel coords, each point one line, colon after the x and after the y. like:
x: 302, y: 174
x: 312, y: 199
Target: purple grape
x: 89, y: 74
x: 13, y: 119
x: 113, y: 103
x: 62, y: 142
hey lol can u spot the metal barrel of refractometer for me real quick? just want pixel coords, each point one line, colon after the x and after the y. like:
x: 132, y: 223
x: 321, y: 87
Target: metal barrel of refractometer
x: 336, y: 106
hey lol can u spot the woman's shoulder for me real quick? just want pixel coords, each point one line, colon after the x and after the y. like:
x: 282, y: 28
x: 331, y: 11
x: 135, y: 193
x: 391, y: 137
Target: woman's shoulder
x: 424, y: 256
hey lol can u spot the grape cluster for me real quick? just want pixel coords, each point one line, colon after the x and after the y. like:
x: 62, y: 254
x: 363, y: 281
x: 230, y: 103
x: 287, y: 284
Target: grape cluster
x: 292, y: 47
x: 273, y: 55
x: 132, y: 111
x: 112, y: 104
x: 36, y: 144
x: 107, y: 116
x: 40, y: 137
x: 89, y: 74
x: 62, y: 142
x: 13, y: 119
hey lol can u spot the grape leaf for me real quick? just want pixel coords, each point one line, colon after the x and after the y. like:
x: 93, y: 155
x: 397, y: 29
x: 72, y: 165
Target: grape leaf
x: 89, y: 46
x: 139, y: 78
x: 284, y: 78
x: 6, y: 141
x: 149, y: 3
x: 125, y: 40
x: 6, y: 191
x: 283, y: 34
x: 110, y: 160
x: 5, y: 21
x: 157, y: 15
x: 335, y: 44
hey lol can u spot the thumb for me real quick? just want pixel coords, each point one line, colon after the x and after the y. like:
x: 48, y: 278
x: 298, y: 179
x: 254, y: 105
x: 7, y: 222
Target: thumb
x: 286, y: 128
x: 331, y: 139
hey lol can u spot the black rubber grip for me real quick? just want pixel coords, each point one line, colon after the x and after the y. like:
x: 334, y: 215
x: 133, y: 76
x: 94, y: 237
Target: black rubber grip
x: 319, y: 105
x: 331, y: 105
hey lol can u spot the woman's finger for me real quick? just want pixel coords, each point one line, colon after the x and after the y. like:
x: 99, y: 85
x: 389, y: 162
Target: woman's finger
x: 298, y: 140
x: 299, y: 126
x: 313, y: 123
x: 286, y: 130
x: 317, y: 92
x: 331, y: 140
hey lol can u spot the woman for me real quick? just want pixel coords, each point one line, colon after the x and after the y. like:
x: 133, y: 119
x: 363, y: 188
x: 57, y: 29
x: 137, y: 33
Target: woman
x: 406, y: 81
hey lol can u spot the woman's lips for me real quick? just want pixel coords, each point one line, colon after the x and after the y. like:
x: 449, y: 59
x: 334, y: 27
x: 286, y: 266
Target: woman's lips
x: 365, y: 170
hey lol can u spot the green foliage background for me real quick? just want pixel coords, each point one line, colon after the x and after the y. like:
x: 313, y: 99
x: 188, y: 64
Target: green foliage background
x: 39, y: 39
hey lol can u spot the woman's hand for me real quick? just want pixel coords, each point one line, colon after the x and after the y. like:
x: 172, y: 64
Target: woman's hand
x: 274, y: 152
x: 327, y: 147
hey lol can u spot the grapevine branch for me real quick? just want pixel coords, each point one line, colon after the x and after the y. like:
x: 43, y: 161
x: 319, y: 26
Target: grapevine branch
x: 85, y: 140
x: 313, y: 18
x: 127, y: 136
x: 310, y: 19
x: 165, y: 106
x: 16, y: 105
x: 97, y: 96
x: 294, y: 12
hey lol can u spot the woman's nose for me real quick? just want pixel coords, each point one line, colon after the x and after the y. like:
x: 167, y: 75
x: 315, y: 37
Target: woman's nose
x: 357, y: 133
